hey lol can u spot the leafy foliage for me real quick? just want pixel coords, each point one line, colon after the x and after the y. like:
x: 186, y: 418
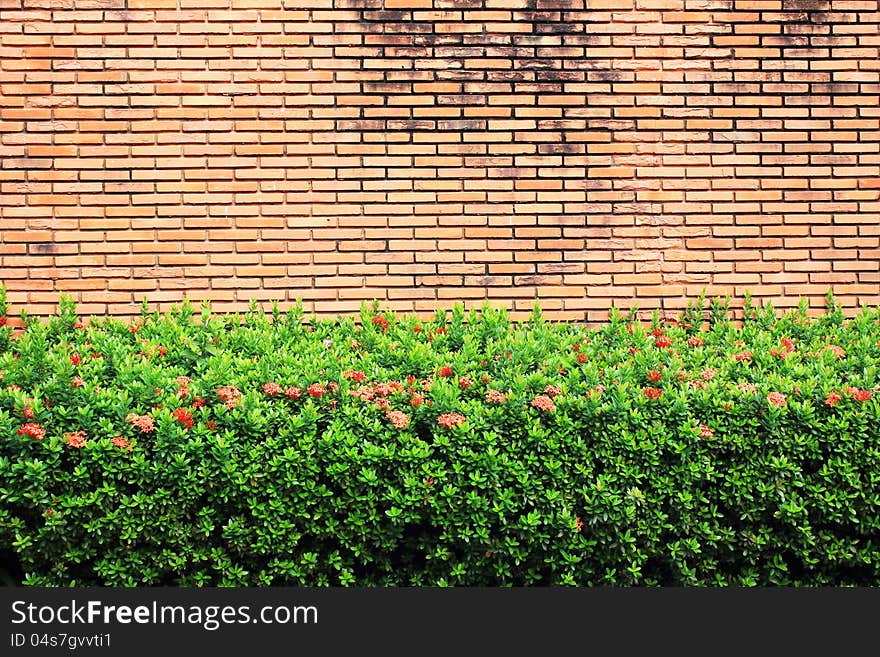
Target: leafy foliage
x: 194, y: 449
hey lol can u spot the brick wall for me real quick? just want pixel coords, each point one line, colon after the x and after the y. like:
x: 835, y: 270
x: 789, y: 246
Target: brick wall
x: 589, y: 153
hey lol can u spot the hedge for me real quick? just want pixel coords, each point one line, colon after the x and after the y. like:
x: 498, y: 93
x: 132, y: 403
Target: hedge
x: 191, y: 449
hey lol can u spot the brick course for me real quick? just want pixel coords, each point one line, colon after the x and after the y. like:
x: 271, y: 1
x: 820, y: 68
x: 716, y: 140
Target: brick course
x: 588, y: 153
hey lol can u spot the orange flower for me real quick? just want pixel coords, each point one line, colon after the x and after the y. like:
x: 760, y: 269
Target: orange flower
x: 495, y: 397
x: 76, y: 439
x: 445, y: 371
x: 32, y: 430
x: 399, y: 419
x: 450, y: 420
x: 271, y: 388
x: 833, y: 398
x: 654, y: 376
x: 652, y: 393
x: 777, y: 399
x: 142, y: 422
x: 552, y: 391
x: 543, y: 403
x: 121, y: 443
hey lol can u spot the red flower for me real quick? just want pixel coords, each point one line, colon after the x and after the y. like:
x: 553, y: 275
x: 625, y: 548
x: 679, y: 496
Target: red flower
x: 747, y: 387
x: 77, y: 382
x: 858, y: 394
x: 383, y: 403
x: 465, y: 382
x: 293, y: 392
x: 417, y: 328
x: 787, y: 343
x: 382, y: 390
x: 182, y: 380
x: 662, y: 341
x: 183, y: 416
x: 575, y: 347
x: 198, y: 402
x: 708, y: 373
x: 495, y: 397
x: 78, y: 324
x: 696, y: 341
x: 837, y: 351
x: 97, y: 356
x: 121, y: 443
x: 552, y: 391
x: 450, y: 420
x: 75, y: 359
x: 743, y: 355
x: 76, y: 439
x: 162, y: 350
x: 657, y: 332
x: 440, y: 330
x: 654, y: 376
x: 543, y: 403
x: 142, y: 422
x: 485, y: 378
x: 210, y: 425
x: 354, y: 375
x: 582, y: 358
x: 580, y: 523
x: 381, y: 322
x: 705, y: 431
x: 3, y: 321
x: 316, y: 390
x: 777, y: 399
x: 333, y: 386
x: 445, y: 371
x: 230, y: 395
x: 28, y: 412
x: 271, y: 388
x: 416, y: 400
x: 399, y: 419
x: 833, y: 398
x: 652, y: 393
x: 32, y: 430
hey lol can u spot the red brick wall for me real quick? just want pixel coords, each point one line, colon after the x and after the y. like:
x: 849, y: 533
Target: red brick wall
x: 587, y: 153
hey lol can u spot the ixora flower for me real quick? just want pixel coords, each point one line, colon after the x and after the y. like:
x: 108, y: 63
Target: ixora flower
x: 777, y: 399
x: 271, y: 388
x: 316, y: 390
x: 77, y: 382
x: 495, y: 397
x: 75, y: 359
x: 450, y: 420
x: 32, y: 430
x: 142, y: 422
x: 552, y: 391
x: 654, y: 376
x: 858, y: 394
x: 381, y: 322
x: 705, y: 431
x: 445, y: 372
x: 121, y: 443
x: 293, y: 392
x: 833, y: 398
x: 465, y: 382
x: 354, y: 375
x: 652, y: 392
x: 695, y: 341
x: 839, y: 352
x: 582, y: 358
x: 743, y: 356
x: 399, y: 419
x: 543, y: 403
x: 663, y: 341
x: 75, y: 439
x: 230, y: 395
x: 747, y: 387
x: 183, y: 416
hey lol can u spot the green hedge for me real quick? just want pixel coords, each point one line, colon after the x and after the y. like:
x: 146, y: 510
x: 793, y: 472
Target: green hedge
x: 194, y: 449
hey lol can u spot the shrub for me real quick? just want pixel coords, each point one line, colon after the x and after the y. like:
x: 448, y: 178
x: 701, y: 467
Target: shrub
x: 263, y: 449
